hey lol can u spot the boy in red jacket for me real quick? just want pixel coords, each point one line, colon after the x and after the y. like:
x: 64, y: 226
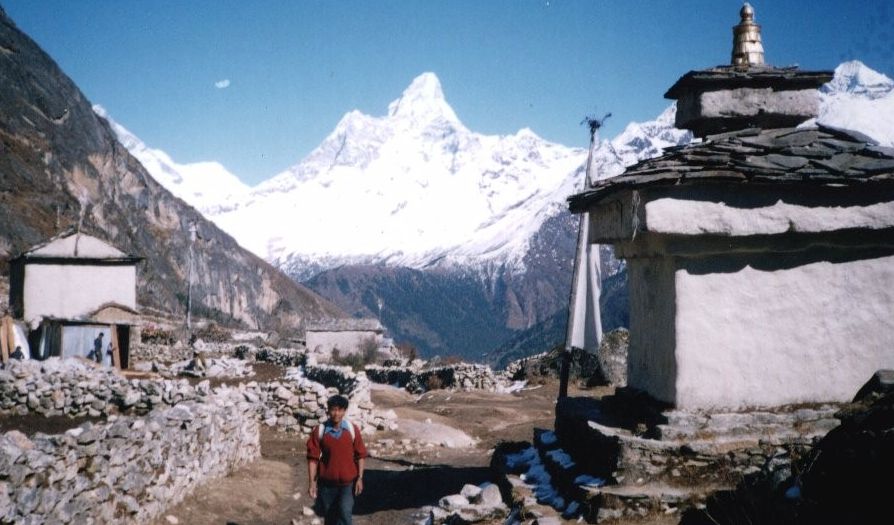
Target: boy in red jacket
x: 335, y: 460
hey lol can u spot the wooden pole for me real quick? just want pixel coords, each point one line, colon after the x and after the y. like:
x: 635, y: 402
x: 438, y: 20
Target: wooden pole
x: 4, y: 340
x: 11, y: 333
x: 116, y: 356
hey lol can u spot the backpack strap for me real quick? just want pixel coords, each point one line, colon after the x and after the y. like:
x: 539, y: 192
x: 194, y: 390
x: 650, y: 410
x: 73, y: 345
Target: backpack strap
x: 351, y: 430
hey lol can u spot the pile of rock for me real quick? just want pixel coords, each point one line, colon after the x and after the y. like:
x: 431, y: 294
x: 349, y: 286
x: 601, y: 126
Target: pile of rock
x: 126, y: 469
x: 473, y: 504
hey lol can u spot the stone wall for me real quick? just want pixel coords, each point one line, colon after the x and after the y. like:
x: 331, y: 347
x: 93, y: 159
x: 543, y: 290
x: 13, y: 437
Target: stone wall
x: 126, y: 469
x: 399, y: 376
x: 465, y: 376
x: 159, y: 352
x: 281, y: 356
x: 298, y: 403
x: 355, y: 386
x: 72, y: 388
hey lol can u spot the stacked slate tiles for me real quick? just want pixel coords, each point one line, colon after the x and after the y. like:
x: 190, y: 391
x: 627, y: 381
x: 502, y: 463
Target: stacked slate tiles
x: 817, y: 155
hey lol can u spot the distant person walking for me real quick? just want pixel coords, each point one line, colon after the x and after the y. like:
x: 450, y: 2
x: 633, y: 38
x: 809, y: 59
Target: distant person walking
x: 335, y: 461
x: 96, y: 353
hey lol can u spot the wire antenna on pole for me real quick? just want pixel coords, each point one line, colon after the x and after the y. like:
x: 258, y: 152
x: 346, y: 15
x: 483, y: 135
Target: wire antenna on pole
x: 594, y: 123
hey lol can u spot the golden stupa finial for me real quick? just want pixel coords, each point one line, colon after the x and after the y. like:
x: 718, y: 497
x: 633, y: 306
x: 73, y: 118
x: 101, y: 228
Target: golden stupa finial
x: 747, y: 47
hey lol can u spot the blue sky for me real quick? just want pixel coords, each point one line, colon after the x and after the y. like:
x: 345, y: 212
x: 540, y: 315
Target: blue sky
x: 293, y: 68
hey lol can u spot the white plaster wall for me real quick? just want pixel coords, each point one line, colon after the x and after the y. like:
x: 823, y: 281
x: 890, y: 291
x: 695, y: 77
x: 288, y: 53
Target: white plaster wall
x: 812, y: 333
x: 347, y: 342
x: 691, y: 217
x: 73, y: 291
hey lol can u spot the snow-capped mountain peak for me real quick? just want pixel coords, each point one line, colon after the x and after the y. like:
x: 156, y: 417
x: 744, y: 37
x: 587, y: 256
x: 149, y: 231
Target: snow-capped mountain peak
x: 202, y: 184
x: 416, y: 188
x: 856, y: 78
x: 423, y: 101
x: 859, y: 99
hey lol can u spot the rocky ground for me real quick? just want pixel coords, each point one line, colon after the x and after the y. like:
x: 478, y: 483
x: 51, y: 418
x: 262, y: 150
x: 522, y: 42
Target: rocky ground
x: 411, y: 467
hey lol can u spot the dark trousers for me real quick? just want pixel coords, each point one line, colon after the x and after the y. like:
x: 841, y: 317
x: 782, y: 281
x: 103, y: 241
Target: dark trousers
x: 336, y: 503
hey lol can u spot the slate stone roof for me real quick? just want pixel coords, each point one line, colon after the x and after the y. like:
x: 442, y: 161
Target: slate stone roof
x: 767, y: 156
x: 733, y: 77
x: 345, y: 325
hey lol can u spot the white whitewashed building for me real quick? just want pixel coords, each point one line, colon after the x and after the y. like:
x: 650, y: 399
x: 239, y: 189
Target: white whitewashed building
x: 347, y: 336
x: 760, y: 258
x: 77, y: 294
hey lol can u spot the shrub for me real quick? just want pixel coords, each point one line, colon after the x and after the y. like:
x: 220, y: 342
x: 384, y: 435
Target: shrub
x: 213, y: 333
x: 155, y: 335
x: 367, y: 354
x: 407, y: 351
x: 433, y: 382
x: 450, y: 360
x: 369, y: 349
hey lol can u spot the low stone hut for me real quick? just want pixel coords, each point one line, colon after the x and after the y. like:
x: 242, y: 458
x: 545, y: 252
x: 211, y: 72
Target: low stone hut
x: 77, y: 294
x: 760, y: 258
x: 347, y: 336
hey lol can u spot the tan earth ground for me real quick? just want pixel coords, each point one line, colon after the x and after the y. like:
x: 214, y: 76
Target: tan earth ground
x: 273, y: 490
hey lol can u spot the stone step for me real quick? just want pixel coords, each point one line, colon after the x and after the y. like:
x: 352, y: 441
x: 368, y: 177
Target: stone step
x: 529, y: 484
x: 529, y: 510
x: 637, y: 502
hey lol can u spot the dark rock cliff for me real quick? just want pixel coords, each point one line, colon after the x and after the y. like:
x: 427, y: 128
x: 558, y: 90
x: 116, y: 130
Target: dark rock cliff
x: 61, y: 163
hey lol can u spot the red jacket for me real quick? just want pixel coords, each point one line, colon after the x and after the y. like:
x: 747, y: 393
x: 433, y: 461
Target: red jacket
x: 337, y: 457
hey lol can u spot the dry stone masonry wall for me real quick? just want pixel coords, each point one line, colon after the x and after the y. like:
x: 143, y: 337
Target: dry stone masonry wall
x: 156, y: 439
x: 464, y: 376
x: 56, y: 387
x: 281, y: 356
x: 126, y: 469
x: 75, y: 389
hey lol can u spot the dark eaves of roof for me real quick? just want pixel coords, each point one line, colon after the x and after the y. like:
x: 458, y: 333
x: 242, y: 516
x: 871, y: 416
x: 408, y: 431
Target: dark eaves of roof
x: 805, y: 155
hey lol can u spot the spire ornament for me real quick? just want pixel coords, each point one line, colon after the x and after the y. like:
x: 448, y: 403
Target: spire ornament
x: 747, y: 47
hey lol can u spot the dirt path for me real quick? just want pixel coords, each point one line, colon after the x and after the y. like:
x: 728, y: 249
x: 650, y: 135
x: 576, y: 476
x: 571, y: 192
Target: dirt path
x: 403, y: 473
